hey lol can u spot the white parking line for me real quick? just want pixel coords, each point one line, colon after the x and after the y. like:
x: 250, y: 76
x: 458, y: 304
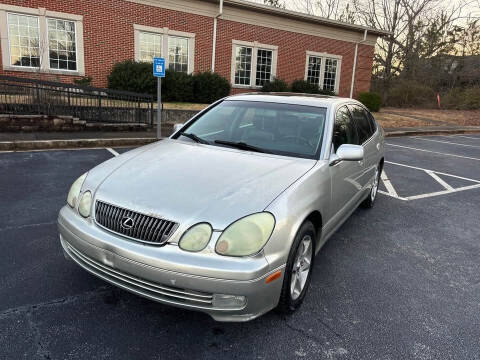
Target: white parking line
x: 446, y: 142
x: 444, y: 192
x: 439, y: 180
x: 466, y: 137
x: 434, y: 174
x: 434, y: 152
x: 112, y: 151
x: 388, y: 185
x: 437, y: 172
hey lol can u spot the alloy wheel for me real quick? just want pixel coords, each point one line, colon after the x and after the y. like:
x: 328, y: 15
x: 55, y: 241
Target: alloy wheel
x: 301, y: 267
x: 373, y: 193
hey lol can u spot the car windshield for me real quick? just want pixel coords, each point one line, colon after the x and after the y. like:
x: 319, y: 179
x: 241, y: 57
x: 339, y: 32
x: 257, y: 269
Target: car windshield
x: 283, y: 129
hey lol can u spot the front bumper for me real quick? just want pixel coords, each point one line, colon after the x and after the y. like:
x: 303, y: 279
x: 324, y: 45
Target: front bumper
x: 170, y: 275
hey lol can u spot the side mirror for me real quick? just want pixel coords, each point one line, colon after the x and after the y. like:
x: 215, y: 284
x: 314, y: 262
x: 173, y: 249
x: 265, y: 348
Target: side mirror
x: 177, y: 127
x: 347, y: 152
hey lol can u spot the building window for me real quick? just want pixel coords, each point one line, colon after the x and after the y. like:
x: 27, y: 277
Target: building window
x: 62, y: 44
x: 243, y: 65
x: 178, y: 48
x: 314, y: 68
x: 264, y: 66
x: 323, y: 70
x: 178, y: 54
x: 253, y: 64
x: 24, y: 38
x: 150, y: 46
x: 40, y: 40
x: 330, y: 74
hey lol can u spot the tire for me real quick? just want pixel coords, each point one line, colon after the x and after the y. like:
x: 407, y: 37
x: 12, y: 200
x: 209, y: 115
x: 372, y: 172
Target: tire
x: 372, y: 195
x: 292, y: 297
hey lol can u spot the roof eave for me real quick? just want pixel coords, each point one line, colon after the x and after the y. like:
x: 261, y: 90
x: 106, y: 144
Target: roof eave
x: 303, y: 17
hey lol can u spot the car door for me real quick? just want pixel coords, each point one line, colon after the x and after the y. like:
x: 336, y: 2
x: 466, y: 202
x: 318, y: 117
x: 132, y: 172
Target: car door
x: 346, y: 186
x: 365, y: 133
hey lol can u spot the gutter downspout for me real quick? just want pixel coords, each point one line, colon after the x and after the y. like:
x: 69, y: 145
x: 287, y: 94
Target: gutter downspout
x: 355, y: 62
x: 214, y: 45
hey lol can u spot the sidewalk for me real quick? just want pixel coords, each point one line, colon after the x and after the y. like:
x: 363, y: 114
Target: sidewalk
x: 69, y: 140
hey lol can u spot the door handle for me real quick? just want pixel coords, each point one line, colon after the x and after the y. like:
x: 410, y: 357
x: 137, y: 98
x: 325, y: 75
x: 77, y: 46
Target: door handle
x: 378, y: 146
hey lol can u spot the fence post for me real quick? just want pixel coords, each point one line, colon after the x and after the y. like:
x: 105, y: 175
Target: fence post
x: 99, y: 106
x: 151, y: 111
x: 68, y: 95
x: 137, y: 115
x: 37, y: 91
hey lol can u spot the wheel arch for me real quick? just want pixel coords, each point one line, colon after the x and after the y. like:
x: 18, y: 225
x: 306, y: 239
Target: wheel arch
x: 315, y: 217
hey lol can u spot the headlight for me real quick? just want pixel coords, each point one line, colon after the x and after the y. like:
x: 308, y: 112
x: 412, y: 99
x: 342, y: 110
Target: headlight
x: 196, y: 238
x: 246, y: 236
x: 85, y: 204
x: 72, y: 197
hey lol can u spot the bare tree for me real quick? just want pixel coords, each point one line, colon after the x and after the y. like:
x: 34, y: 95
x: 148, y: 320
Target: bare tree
x: 275, y: 3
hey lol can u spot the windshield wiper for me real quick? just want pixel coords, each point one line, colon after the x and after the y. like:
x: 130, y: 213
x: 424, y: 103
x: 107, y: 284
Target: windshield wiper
x: 195, y: 138
x: 242, y: 146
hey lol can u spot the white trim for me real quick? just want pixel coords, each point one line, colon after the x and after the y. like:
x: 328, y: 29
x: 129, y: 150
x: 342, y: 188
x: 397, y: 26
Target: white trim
x: 324, y: 56
x: 47, y: 47
x: 255, y: 46
x: 42, y: 14
x: 165, y: 32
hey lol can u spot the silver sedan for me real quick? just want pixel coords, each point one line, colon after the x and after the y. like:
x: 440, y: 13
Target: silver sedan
x: 226, y: 215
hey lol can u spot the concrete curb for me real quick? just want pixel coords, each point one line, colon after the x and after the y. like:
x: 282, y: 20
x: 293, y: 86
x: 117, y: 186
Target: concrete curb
x: 119, y: 142
x: 71, y: 144
x: 430, y: 132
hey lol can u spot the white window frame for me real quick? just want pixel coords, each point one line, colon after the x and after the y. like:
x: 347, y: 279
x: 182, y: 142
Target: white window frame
x: 42, y: 15
x: 324, y: 57
x: 166, y: 32
x: 253, y: 73
x: 48, y: 45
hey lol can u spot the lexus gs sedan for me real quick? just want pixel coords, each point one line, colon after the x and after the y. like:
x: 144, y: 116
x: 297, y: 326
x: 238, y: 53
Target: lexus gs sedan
x: 227, y: 214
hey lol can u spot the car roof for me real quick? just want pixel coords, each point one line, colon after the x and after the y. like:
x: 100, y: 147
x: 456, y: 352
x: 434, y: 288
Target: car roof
x: 317, y: 100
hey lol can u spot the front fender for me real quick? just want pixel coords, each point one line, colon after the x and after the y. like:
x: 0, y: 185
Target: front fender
x: 310, y: 193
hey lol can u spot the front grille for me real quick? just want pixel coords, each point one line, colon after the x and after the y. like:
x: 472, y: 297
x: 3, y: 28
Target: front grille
x: 140, y: 227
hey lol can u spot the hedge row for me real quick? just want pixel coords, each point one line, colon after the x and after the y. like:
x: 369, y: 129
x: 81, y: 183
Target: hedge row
x: 205, y: 87
x: 297, y: 86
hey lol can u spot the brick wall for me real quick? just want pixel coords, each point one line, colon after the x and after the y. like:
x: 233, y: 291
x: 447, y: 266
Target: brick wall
x: 109, y: 38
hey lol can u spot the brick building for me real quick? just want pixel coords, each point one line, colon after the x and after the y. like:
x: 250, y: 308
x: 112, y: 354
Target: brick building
x: 247, y: 43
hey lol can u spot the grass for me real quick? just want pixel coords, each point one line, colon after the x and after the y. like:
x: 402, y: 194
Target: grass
x: 407, y: 117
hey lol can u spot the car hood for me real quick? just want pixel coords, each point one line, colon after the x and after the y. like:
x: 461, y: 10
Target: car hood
x: 189, y: 183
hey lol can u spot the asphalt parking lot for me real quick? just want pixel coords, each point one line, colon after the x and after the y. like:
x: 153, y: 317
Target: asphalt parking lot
x: 400, y: 281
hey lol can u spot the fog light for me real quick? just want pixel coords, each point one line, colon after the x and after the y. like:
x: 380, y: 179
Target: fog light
x: 229, y: 301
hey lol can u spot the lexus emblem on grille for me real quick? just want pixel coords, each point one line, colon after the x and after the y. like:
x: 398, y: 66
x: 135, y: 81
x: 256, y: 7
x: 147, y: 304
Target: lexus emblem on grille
x: 127, y: 222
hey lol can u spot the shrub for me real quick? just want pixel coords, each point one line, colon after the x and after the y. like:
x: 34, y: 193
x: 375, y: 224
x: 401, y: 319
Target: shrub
x: 452, y: 99
x: 177, y: 86
x: 133, y: 76
x: 410, y: 93
x: 304, y: 87
x: 471, y: 98
x: 84, y: 81
x: 326, y: 92
x: 371, y: 100
x: 209, y: 87
x: 276, y: 85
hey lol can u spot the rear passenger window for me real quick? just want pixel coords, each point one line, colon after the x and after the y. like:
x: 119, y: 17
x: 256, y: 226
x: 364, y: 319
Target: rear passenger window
x: 344, y: 131
x: 362, y: 121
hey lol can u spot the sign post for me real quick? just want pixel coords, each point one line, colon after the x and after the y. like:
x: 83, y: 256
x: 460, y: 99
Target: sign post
x: 159, y: 73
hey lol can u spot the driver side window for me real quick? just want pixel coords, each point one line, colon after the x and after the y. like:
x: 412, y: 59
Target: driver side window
x: 344, y: 130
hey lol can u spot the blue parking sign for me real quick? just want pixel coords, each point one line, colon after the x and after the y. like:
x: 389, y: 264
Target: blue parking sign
x: 159, y: 67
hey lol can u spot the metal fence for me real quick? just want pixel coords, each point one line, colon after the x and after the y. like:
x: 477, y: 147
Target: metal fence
x: 28, y: 97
